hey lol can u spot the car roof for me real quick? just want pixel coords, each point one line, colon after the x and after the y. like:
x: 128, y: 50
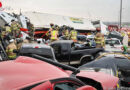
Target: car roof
x: 25, y: 71
x: 62, y: 41
x: 33, y: 45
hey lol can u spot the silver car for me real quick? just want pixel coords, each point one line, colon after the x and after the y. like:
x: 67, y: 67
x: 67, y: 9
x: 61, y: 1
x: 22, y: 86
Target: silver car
x: 113, y: 45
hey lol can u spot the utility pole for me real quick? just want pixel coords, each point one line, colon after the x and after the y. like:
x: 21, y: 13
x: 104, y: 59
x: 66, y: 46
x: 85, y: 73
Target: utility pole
x: 120, y: 14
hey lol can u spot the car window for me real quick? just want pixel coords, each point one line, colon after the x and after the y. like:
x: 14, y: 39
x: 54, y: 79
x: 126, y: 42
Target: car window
x: 66, y: 86
x: 45, y: 52
x: 56, y: 48
x: 117, y: 42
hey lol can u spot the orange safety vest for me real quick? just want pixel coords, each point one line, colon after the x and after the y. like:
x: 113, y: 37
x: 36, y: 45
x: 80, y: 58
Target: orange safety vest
x: 54, y: 34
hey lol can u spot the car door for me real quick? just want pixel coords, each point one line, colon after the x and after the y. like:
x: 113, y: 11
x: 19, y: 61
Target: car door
x: 75, y: 54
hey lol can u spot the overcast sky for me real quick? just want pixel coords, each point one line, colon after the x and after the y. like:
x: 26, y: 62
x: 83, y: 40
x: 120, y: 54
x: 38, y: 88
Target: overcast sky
x: 106, y: 10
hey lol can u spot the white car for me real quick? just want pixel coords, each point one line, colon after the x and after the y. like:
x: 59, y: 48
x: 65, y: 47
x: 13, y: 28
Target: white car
x: 113, y: 45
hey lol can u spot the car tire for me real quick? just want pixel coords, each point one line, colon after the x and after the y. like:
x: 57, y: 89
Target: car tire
x: 85, y: 60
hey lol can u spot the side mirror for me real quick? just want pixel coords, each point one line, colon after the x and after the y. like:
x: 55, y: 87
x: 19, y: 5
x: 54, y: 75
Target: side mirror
x: 86, y: 88
x: 15, y: 51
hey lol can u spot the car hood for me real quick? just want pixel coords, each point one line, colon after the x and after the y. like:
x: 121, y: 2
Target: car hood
x: 27, y: 71
x: 107, y: 81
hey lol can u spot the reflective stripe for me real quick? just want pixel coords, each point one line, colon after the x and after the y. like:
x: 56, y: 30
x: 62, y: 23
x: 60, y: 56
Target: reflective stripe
x: 15, y: 26
x: 10, y: 50
x: 10, y: 53
x: 98, y: 38
x: 11, y: 57
x: 116, y: 73
x: 54, y: 34
x: 118, y: 86
x: 74, y: 35
x: 8, y: 29
x: 99, y: 41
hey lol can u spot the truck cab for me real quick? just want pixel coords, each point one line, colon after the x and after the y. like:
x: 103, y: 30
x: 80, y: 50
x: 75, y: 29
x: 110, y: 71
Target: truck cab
x: 67, y: 52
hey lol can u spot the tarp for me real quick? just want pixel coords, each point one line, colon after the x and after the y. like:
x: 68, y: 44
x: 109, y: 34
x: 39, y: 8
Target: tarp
x: 44, y: 20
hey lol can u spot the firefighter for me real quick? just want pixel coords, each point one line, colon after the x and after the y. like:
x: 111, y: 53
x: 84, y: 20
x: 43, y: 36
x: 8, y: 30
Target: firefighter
x: 128, y: 42
x: 103, y: 41
x: 125, y: 43
x: 129, y: 39
x: 73, y: 35
x: 7, y: 28
x: 54, y: 34
x: 99, y: 39
x: 10, y: 48
x: 3, y: 34
x: 66, y: 33
x: 31, y: 29
x: 48, y: 34
x: 15, y: 28
x: 122, y: 33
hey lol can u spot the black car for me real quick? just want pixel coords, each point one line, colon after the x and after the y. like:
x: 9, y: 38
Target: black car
x: 119, y: 63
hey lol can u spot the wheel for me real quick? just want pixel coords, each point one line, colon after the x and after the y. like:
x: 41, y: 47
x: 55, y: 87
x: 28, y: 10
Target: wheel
x: 85, y: 60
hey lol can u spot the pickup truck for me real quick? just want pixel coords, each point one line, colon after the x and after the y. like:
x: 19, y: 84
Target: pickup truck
x: 66, y: 52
